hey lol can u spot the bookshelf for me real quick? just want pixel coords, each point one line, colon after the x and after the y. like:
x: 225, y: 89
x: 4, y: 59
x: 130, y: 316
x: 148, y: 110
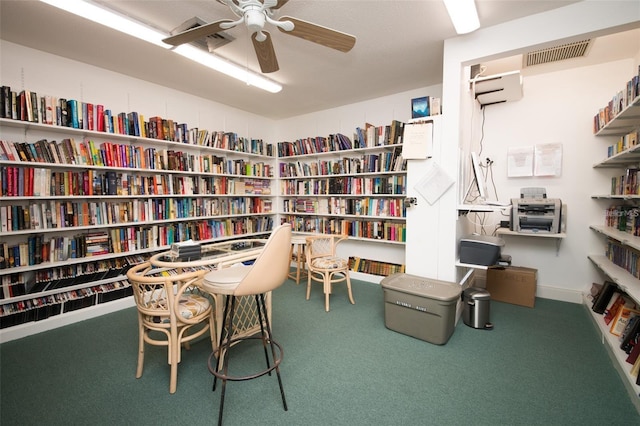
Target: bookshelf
x: 74, y: 220
x: 619, y: 122
x: 346, y: 185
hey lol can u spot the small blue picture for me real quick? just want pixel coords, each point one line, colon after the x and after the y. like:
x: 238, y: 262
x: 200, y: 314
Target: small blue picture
x: 420, y: 107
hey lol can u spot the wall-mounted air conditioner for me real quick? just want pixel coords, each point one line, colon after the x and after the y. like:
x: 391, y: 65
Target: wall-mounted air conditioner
x: 498, y: 88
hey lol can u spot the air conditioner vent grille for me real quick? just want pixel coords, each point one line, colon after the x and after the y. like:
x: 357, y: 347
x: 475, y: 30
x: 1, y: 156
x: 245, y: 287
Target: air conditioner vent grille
x: 208, y: 43
x: 557, y: 53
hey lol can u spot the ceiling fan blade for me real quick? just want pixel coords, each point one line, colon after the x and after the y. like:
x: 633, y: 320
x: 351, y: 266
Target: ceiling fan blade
x: 265, y: 53
x: 195, y: 33
x: 318, y: 34
x: 280, y: 4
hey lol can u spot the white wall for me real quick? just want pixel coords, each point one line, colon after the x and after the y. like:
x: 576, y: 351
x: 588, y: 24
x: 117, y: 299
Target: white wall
x: 558, y: 108
x: 345, y: 119
x: 22, y: 68
x: 43, y: 73
x: 565, y: 108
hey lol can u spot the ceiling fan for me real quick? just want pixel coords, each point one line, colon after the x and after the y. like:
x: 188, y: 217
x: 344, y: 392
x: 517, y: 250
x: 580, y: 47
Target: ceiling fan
x: 255, y: 14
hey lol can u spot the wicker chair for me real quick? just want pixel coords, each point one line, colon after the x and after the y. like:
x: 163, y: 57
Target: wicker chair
x: 324, y: 266
x: 171, y: 312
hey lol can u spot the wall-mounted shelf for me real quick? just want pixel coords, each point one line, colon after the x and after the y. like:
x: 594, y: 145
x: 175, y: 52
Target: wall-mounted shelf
x: 480, y: 208
x: 615, y: 197
x: 559, y: 236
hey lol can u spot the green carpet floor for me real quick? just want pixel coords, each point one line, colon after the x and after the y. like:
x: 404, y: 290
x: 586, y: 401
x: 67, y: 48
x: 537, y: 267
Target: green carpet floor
x: 541, y: 366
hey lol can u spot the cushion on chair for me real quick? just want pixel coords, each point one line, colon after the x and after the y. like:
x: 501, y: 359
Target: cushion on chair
x: 329, y: 263
x: 227, y: 278
x: 192, y: 305
x: 189, y: 305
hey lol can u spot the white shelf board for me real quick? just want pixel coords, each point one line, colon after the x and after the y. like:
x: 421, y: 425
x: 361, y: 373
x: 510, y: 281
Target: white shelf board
x: 557, y: 235
x: 627, y: 282
x: 618, y: 356
x: 481, y: 208
x: 470, y: 265
x: 624, y: 237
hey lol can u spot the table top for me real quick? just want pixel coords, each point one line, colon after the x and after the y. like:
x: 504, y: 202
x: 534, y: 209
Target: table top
x: 221, y: 253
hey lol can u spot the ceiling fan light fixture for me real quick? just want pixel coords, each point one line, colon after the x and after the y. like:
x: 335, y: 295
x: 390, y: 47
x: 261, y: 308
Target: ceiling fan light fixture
x: 463, y: 14
x: 136, y: 29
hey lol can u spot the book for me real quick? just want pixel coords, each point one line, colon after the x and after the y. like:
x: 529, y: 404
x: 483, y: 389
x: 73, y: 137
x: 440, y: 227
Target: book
x: 617, y: 302
x: 62, y: 113
x: 5, y: 102
x: 602, y: 299
x: 621, y: 320
x: 630, y: 335
x: 112, y: 187
x: 74, y: 117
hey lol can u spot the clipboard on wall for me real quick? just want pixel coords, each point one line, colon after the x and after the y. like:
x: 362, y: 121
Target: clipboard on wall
x: 417, y: 140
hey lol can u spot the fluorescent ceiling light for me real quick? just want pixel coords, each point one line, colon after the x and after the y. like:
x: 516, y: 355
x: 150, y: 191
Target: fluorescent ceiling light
x: 463, y: 14
x: 127, y: 25
x: 226, y: 67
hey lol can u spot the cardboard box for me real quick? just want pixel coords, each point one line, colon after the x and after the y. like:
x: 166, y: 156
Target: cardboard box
x: 513, y: 284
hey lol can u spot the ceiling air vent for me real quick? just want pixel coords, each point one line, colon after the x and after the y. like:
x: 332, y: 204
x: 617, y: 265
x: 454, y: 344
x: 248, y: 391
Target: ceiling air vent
x: 208, y: 43
x: 557, y: 53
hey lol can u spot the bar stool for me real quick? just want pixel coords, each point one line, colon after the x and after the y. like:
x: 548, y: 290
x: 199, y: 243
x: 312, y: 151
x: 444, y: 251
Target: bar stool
x: 268, y: 272
x: 297, y: 255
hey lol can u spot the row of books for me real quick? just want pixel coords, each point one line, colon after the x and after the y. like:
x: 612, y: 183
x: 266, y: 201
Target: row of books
x: 370, y: 163
x: 374, y: 267
x: 55, y: 214
x: 623, y: 218
x: 626, y: 184
x: 364, y: 137
x: 623, y: 144
x: 40, y: 308
x: 622, y: 315
x: 65, y: 275
x: 621, y: 100
x: 374, y: 207
x: 384, y: 185
x: 38, y: 249
x: 376, y: 230
x: 314, y: 145
x: 26, y: 105
x: 34, y: 182
x: 371, y: 135
x: 625, y: 257
x: 345, y: 185
x: 79, y: 274
x: 107, y: 154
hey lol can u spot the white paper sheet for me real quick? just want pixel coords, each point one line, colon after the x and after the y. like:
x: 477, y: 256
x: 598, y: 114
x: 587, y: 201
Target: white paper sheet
x: 417, y: 141
x: 434, y: 183
x: 548, y: 159
x: 520, y: 161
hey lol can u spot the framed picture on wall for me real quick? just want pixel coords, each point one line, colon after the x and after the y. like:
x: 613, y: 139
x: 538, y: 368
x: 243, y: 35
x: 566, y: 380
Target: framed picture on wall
x: 420, y: 107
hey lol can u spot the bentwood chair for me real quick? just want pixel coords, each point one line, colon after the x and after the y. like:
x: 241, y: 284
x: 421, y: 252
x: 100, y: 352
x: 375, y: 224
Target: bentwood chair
x: 268, y: 272
x: 324, y: 266
x: 171, y: 312
x: 298, y: 257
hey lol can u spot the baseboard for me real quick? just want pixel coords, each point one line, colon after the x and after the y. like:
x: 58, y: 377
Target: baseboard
x: 361, y: 276
x: 561, y: 294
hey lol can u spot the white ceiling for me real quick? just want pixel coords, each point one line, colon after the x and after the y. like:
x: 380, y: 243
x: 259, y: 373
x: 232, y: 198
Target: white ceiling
x: 399, y: 47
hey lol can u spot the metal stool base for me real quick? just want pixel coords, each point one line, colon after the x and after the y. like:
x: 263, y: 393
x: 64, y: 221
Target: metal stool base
x: 218, y: 362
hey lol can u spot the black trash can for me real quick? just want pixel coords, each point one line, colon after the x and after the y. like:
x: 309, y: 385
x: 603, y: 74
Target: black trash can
x: 477, y: 308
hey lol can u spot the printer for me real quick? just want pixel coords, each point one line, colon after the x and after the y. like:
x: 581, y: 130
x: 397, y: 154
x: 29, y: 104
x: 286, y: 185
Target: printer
x: 533, y: 212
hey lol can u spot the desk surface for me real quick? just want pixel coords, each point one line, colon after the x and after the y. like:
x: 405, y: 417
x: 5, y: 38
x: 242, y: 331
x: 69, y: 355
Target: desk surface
x: 222, y: 253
